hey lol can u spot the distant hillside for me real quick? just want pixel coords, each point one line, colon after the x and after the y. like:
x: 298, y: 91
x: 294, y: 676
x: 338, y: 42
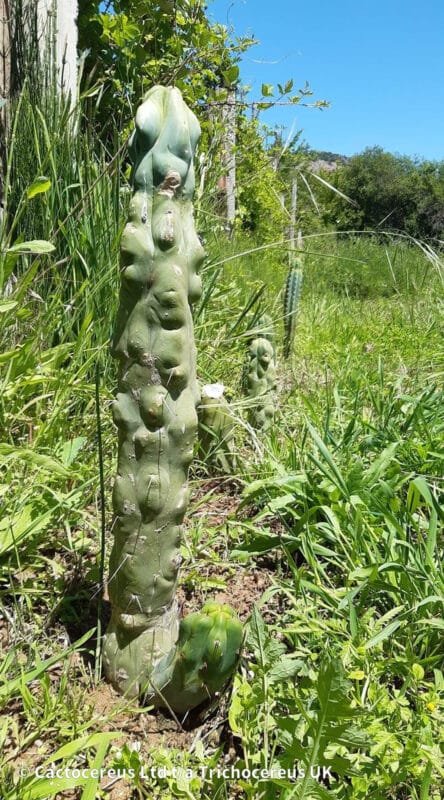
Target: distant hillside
x: 326, y: 155
x: 325, y: 161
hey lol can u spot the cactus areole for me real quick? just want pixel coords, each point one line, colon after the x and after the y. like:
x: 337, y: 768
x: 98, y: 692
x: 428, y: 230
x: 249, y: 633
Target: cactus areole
x: 147, y: 650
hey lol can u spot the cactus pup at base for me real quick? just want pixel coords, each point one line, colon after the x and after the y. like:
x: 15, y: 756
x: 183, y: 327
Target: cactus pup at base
x: 147, y: 651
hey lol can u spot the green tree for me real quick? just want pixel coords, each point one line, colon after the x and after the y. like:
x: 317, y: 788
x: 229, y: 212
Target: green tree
x: 389, y: 192
x: 131, y: 45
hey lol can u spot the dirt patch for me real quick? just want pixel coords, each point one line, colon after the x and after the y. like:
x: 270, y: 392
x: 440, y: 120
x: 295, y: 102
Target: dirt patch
x: 110, y: 712
x: 120, y: 791
x: 244, y: 590
x: 215, y: 500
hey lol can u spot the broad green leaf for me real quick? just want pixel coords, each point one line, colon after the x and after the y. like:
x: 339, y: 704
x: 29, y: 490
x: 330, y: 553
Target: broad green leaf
x: 383, y: 635
x: 34, y: 246
x: 40, y: 186
x: 346, y: 734
x: 267, y: 90
x: 417, y: 672
x: 333, y: 687
x: 33, y: 458
x: 71, y: 450
x: 286, y: 668
x: 257, y: 635
x: 79, y: 745
x: 231, y: 75
x: 7, y: 305
x: 278, y: 503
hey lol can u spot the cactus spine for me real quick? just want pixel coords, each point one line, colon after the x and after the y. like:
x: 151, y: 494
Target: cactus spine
x: 260, y: 377
x: 155, y: 412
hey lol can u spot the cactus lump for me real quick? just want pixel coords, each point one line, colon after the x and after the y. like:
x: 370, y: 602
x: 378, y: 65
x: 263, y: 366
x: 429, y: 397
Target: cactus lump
x: 145, y: 650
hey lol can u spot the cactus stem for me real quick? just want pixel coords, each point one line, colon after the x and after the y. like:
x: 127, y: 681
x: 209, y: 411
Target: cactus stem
x: 260, y: 376
x: 147, y: 649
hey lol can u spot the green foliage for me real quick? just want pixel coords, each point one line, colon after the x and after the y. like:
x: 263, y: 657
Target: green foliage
x: 341, y: 516
x: 389, y: 192
x: 355, y: 496
x: 131, y: 46
x: 139, y: 44
x: 259, y: 185
x: 319, y: 723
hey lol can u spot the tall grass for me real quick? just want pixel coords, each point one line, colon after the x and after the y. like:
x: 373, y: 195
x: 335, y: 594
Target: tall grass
x: 56, y: 315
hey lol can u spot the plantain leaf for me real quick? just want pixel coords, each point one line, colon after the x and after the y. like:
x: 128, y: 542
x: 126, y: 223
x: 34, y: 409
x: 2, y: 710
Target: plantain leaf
x: 34, y: 246
x: 40, y: 186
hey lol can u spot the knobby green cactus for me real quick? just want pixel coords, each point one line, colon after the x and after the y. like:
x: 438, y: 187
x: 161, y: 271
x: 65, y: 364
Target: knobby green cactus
x: 292, y: 295
x: 155, y: 411
x: 260, y: 377
x: 216, y: 429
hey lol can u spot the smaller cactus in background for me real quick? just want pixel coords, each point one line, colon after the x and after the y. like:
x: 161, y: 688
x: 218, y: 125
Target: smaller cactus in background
x: 216, y: 430
x: 260, y: 376
x: 291, y: 297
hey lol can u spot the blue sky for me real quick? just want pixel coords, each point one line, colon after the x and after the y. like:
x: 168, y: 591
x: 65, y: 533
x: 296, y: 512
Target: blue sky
x: 380, y: 64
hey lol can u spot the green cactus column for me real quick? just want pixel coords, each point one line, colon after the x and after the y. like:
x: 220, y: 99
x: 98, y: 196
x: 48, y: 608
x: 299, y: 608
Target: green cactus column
x: 260, y: 377
x: 155, y: 411
x: 292, y: 295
